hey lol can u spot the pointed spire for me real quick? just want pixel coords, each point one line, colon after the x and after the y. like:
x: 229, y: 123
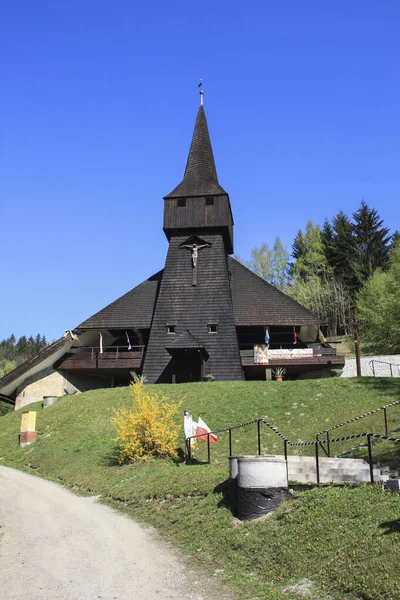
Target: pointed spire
x: 200, y: 178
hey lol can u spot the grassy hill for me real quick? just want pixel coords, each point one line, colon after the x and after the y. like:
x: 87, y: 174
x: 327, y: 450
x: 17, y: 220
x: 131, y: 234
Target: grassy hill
x: 335, y: 539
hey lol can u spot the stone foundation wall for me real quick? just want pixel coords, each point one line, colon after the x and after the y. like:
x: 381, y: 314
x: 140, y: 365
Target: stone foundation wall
x: 50, y: 382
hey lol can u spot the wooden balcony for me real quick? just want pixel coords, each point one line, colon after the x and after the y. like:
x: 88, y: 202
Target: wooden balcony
x: 321, y: 357
x: 116, y: 360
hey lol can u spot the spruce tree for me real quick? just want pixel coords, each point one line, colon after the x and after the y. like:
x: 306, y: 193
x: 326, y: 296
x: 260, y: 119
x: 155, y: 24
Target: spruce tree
x: 372, y: 245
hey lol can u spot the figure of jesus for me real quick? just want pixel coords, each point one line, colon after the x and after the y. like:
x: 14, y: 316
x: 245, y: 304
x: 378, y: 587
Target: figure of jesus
x: 195, y: 251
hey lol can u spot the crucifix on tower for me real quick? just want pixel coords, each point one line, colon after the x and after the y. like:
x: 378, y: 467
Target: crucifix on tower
x: 194, y: 249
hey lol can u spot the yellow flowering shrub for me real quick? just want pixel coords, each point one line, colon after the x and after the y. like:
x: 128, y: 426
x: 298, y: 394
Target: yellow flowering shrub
x: 148, y: 429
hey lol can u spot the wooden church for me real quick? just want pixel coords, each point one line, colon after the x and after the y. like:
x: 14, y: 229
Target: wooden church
x: 203, y: 316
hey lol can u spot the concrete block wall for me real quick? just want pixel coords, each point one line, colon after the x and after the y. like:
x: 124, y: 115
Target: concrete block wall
x: 381, y: 370
x: 45, y: 383
x: 50, y: 382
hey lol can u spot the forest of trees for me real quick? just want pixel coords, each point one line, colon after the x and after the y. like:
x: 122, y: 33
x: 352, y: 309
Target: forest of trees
x: 349, y: 263
x: 13, y: 352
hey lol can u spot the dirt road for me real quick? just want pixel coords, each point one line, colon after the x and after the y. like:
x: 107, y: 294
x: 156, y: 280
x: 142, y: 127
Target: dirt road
x: 55, y: 545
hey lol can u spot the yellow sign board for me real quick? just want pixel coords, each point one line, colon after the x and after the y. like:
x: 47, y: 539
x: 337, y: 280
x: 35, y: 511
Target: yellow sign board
x: 28, y: 421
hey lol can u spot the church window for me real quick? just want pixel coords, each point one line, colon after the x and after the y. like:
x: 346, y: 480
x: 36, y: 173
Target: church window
x: 181, y: 202
x: 170, y: 328
x: 210, y: 201
x: 212, y: 328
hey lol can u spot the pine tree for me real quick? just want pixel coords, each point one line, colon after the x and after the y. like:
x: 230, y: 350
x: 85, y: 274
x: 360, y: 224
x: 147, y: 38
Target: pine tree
x: 298, y: 245
x: 328, y: 242
x: 394, y: 243
x: 22, y: 345
x: 343, y: 247
x: 372, y: 245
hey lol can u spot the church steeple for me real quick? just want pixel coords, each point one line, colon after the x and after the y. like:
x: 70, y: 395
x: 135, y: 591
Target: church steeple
x: 200, y: 178
x: 199, y: 203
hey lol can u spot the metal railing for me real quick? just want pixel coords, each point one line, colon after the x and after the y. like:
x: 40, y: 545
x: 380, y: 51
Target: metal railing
x: 353, y: 420
x: 382, y: 362
x: 287, y: 443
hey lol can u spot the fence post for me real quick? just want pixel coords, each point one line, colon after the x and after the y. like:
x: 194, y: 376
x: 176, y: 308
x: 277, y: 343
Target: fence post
x: 285, y: 449
x: 188, y: 457
x: 329, y: 443
x: 317, y: 461
x: 371, y: 468
x: 230, y: 441
x: 259, y: 437
x: 208, y: 448
x: 386, y: 423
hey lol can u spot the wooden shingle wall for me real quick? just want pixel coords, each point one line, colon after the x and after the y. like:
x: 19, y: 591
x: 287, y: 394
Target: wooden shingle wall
x: 197, y: 215
x: 194, y: 308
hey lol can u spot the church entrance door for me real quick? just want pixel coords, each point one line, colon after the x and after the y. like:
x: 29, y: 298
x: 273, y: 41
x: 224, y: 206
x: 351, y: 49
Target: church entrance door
x: 188, y: 366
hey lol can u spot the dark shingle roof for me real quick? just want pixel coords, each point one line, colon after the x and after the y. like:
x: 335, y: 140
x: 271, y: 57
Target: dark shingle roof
x: 256, y: 302
x: 133, y: 310
x: 185, y: 341
x: 200, y: 178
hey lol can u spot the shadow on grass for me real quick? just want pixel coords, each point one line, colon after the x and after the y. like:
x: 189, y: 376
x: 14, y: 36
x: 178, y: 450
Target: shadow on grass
x: 111, y: 459
x: 225, y: 489
x: 391, y: 526
x: 383, y: 385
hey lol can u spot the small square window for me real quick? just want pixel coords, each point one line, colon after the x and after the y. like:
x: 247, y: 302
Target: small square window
x: 212, y: 328
x: 170, y: 328
x: 181, y: 202
x: 210, y: 201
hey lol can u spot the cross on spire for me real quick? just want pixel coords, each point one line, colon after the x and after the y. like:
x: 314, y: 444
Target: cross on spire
x: 200, y: 178
x: 201, y: 92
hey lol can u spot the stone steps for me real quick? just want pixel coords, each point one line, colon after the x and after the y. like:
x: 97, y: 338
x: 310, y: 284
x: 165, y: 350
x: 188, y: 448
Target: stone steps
x: 302, y: 469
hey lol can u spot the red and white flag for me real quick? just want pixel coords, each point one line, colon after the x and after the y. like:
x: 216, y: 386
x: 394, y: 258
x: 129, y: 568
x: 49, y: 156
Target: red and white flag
x: 202, y: 431
x: 101, y: 344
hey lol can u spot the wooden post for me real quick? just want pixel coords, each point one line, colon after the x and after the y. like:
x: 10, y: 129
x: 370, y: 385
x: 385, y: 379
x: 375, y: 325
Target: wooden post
x: 357, y: 344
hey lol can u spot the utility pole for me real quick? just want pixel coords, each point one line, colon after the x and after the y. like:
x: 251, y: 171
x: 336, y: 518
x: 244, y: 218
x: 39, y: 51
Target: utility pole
x: 357, y: 343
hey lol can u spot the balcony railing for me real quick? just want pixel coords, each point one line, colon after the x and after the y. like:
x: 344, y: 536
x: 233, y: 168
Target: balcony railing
x: 108, y: 353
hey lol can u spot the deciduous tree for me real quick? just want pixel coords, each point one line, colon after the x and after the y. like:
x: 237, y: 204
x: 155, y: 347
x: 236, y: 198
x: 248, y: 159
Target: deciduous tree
x: 379, y: 307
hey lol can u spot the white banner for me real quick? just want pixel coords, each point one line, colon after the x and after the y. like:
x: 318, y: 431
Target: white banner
x: 263, y: 355
x: 289, y: 354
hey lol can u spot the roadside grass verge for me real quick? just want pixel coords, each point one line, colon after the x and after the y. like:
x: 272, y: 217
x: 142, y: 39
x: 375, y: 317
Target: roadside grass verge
x: 338, y: 538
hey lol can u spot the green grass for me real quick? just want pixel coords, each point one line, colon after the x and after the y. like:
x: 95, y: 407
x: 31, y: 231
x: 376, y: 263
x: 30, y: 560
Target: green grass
x: 339, y: 538
x: 5, y: 408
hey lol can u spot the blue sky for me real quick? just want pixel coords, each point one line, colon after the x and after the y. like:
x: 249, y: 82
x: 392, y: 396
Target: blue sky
x: 98, y: 104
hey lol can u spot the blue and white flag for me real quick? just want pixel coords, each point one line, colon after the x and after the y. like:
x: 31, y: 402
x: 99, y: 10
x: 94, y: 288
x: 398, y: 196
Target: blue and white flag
x: 267, y: 336
x: 128, y: 340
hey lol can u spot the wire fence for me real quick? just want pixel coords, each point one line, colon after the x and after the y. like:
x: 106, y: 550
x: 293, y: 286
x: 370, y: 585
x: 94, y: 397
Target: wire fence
x: 385, y: 424
x: 393, y: 373
x: 318, y: 444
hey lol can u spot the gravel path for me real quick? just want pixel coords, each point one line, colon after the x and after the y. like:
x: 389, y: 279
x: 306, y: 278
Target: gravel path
x: 55, y: 545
